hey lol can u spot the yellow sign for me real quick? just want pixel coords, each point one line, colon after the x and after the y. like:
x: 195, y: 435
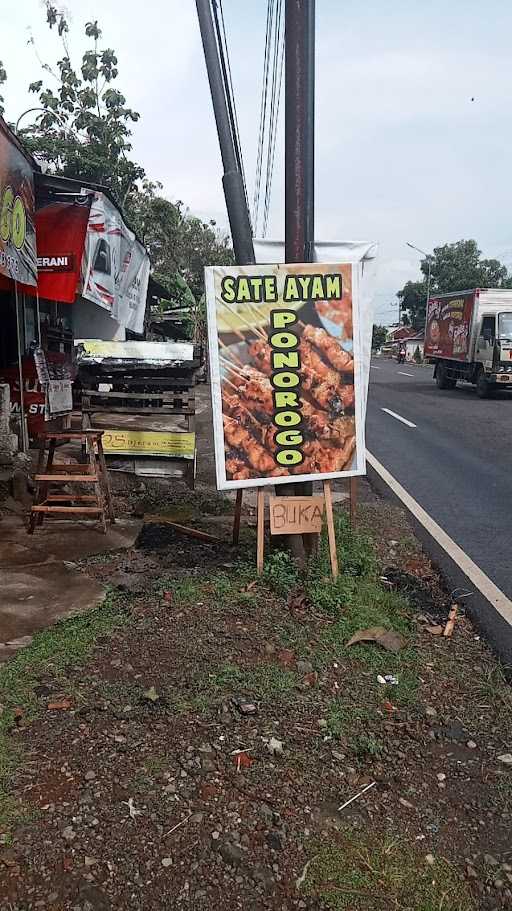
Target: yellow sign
x: 150, y: 443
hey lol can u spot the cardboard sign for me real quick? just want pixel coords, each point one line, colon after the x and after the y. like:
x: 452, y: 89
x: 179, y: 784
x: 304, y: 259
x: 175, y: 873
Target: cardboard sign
x: 59, y: 398
x: 296, y: 515
x: 149, y: 443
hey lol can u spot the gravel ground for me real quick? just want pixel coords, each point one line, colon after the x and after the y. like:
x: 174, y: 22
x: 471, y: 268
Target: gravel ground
x: 200, y: 754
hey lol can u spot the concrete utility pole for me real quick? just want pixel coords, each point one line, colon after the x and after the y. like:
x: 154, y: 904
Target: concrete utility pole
x: 299, y: 157
x: 299, y: 130
x: 232, y: 180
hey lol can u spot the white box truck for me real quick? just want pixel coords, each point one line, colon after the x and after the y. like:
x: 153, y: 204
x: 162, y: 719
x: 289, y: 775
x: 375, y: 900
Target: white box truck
x: 468, y: 336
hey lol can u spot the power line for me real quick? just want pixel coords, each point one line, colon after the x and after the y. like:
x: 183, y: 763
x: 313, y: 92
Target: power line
x: 277, y: 78
x: 263, y: 112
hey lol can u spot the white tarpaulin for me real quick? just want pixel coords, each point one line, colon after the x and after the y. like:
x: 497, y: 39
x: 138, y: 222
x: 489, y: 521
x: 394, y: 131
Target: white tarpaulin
x: 115, y: 266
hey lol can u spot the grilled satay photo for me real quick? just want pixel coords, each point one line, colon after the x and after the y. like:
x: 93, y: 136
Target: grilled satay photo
x: 339, y: 312
x: 331, y: 349
x: 239, y: 438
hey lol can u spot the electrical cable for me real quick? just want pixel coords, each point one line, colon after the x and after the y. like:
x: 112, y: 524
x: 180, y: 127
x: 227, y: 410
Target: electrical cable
x: 277, y: 74
x: 263, y: 113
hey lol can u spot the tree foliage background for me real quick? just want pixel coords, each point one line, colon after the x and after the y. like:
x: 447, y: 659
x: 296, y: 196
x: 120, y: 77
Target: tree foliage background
x: 82, y: 127
x: 453, y: 267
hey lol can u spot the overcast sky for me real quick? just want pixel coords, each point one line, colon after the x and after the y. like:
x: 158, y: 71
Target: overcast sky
x: 403, y: 152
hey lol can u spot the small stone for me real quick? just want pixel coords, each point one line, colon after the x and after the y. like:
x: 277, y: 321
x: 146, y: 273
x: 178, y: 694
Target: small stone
x: 274, y: 842
x: 490, y: 860
x: 215, y: 835
x: 339, y: 756
x: 471, y: 872
x: 430, y: 712
x: 499, y: 883
x: 441, y: 776
x: 69, y: 833
x: 471, y: 745
x: 166, y: 861
x: 430, y: 860
x: 170, y: 788
x: 506, y: 758
x: 197, y: 817
x: 231, y: 855
x: 90, y: 861
x: 322, y: 724
x: 405, y: 803
x: 90, y: 776
x: 304, y: 667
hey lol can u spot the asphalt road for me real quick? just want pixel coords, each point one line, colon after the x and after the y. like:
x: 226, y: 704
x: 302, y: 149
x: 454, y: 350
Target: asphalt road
x: 456, y: 461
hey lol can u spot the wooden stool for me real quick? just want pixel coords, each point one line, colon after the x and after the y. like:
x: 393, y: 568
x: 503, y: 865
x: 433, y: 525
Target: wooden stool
x: 93, y: 472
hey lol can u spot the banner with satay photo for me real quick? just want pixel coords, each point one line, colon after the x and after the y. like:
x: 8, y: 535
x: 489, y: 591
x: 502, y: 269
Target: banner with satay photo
x: 288, y: 385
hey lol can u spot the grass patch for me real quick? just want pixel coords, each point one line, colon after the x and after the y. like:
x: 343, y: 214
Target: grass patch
x: 51, y: 653
x: 371, y: 873
x: 265, y: 682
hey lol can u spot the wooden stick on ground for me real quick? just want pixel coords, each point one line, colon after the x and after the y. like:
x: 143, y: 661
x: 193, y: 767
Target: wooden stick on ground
x: 452, y: 616
x: 238, y: 515
x: 330, y: 529
x: 261, y: 530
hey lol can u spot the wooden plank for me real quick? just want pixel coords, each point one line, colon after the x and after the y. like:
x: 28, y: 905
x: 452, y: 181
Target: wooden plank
x: 353, y: 501
x: 114, y: 409
x: 58, y: 497
x: 261, y: 531
x: 238, y: 515
x: 452, y: 616
x: 69, y: 434
x: 296, y: 515
x: 88, y: 510
x: 330, y: 529
x: 62, y: 468
x: 65, y: 478
x: 183, y: 529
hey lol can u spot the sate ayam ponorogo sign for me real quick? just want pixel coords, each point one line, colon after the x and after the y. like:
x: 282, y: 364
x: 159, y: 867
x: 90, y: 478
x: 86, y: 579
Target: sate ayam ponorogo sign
x: 288, y: 388
x: 17, y: 232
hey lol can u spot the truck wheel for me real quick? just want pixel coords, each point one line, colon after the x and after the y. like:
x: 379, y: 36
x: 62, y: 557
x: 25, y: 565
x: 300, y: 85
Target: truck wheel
x: 482, y: 386
x: 442, y: 380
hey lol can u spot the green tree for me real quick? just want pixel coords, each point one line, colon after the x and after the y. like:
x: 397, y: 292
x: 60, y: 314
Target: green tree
x: 379, y: 336
x: 178, y: 243
x: 459, y: 266
x: 3, y: 77
x: 453, y: 267
x: 83, y: 129
x: 413, y: 299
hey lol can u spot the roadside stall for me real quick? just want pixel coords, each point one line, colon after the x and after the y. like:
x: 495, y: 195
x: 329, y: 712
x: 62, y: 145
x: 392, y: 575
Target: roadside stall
x: 141, y: 394
x: 89, y: 279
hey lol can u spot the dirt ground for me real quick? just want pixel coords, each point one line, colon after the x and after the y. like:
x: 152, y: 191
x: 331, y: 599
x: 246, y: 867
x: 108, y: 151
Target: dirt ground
x: 192, y: 742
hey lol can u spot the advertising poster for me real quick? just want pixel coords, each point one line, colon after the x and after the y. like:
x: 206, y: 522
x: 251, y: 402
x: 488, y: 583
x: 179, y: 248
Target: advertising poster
x: 115, y: 266
x: 17, y: 232
x: 286, y: 371
x: 448, y: 328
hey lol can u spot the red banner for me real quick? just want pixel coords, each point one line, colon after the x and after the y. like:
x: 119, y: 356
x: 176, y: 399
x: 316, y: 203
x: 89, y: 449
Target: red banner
x: 60, y: 232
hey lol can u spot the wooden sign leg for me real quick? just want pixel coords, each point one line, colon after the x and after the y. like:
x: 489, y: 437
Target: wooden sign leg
x: 330, y: 529
x: 238, y: 515
x: 353, y: 501
x: 261, y: 530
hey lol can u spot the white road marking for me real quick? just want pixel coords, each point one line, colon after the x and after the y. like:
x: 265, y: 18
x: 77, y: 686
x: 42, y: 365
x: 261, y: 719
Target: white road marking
x: 398, y: 417
x: 401, y: 372
x: 476, y: 576
x: 374, y: 367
